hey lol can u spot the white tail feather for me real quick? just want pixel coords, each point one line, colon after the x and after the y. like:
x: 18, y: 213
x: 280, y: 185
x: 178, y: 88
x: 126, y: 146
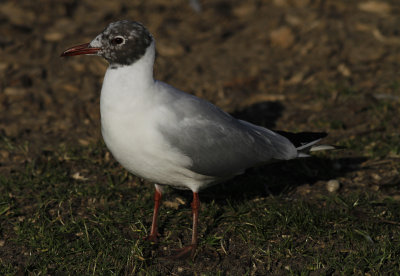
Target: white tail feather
x: 303, y: 150
x: 322, y: 147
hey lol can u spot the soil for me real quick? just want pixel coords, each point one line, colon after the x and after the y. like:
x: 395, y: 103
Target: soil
x: 295, y: 65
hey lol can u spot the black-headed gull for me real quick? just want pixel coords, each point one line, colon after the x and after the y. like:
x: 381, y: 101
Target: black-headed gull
x: 169, y: 137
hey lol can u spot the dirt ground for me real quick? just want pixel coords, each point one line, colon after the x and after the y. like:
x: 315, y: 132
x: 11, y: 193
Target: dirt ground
x: 295, y: 65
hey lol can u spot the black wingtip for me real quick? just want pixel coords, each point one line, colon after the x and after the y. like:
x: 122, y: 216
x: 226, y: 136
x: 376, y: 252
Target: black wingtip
x: 301, y: 138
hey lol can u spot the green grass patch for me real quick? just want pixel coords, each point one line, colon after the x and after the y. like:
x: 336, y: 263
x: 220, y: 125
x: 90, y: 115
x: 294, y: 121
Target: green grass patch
x: 54, y: 220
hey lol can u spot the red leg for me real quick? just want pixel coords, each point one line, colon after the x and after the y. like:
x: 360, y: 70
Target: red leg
x: 191, y: 249
x: 195, y: 211
x: 154, y: 228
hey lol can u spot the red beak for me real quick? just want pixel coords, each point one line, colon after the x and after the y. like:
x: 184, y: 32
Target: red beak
x: 83, y: 49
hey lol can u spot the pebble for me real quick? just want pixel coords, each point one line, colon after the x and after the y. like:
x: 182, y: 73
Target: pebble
x: 168, y: 49
x: 377, y: 7
x: 282, y: 37
x: 14, y: 92
x: 53, y: 36
x: 332, y: 185
x: 3, y: 66
x: 344, y: 70
x: 245, y: 9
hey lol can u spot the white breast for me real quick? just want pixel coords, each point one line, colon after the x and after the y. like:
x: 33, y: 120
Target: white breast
x: 131, y: 109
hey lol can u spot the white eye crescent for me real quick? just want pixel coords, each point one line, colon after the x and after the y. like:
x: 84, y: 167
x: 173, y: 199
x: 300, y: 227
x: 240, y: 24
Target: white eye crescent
x: 117, y: 40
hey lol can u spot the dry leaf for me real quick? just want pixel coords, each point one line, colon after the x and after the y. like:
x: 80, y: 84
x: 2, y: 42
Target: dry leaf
x: 78, y: 176
x: 375, y: 7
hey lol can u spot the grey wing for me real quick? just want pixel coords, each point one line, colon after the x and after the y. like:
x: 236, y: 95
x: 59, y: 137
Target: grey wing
x: 218, y: 144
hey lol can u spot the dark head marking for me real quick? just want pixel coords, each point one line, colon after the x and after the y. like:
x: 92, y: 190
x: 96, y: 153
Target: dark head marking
x: 123, y: 42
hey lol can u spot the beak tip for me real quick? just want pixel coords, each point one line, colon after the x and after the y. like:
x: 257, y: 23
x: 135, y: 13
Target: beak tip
x: 83, y: 49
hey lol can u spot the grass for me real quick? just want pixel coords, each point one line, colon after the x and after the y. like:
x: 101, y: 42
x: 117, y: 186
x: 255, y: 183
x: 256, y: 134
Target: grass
x: 76, y: 211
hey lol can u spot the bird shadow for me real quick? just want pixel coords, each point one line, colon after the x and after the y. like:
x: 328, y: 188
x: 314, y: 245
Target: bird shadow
x: 277, y: 178
x: 262, y: 113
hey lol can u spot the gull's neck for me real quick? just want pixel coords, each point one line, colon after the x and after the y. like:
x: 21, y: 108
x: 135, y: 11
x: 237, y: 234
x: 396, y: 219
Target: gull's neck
x: 134, y: 81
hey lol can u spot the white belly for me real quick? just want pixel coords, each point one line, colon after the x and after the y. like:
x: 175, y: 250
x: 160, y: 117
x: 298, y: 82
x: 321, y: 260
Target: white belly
x: 138, y: 146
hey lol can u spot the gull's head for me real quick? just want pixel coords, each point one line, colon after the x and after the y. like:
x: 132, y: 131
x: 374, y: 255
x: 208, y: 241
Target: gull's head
x: 121, y: 43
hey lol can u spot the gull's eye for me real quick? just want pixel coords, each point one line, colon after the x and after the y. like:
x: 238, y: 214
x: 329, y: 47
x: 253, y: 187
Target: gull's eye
x: 117, y: 40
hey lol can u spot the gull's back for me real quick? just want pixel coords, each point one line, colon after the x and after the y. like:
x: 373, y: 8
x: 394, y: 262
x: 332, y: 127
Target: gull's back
x: 218, y: 144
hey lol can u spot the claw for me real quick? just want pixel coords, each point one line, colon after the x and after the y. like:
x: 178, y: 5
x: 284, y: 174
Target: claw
x: 152, y: 238
x: 181, y: 253
x: 185, y: 252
